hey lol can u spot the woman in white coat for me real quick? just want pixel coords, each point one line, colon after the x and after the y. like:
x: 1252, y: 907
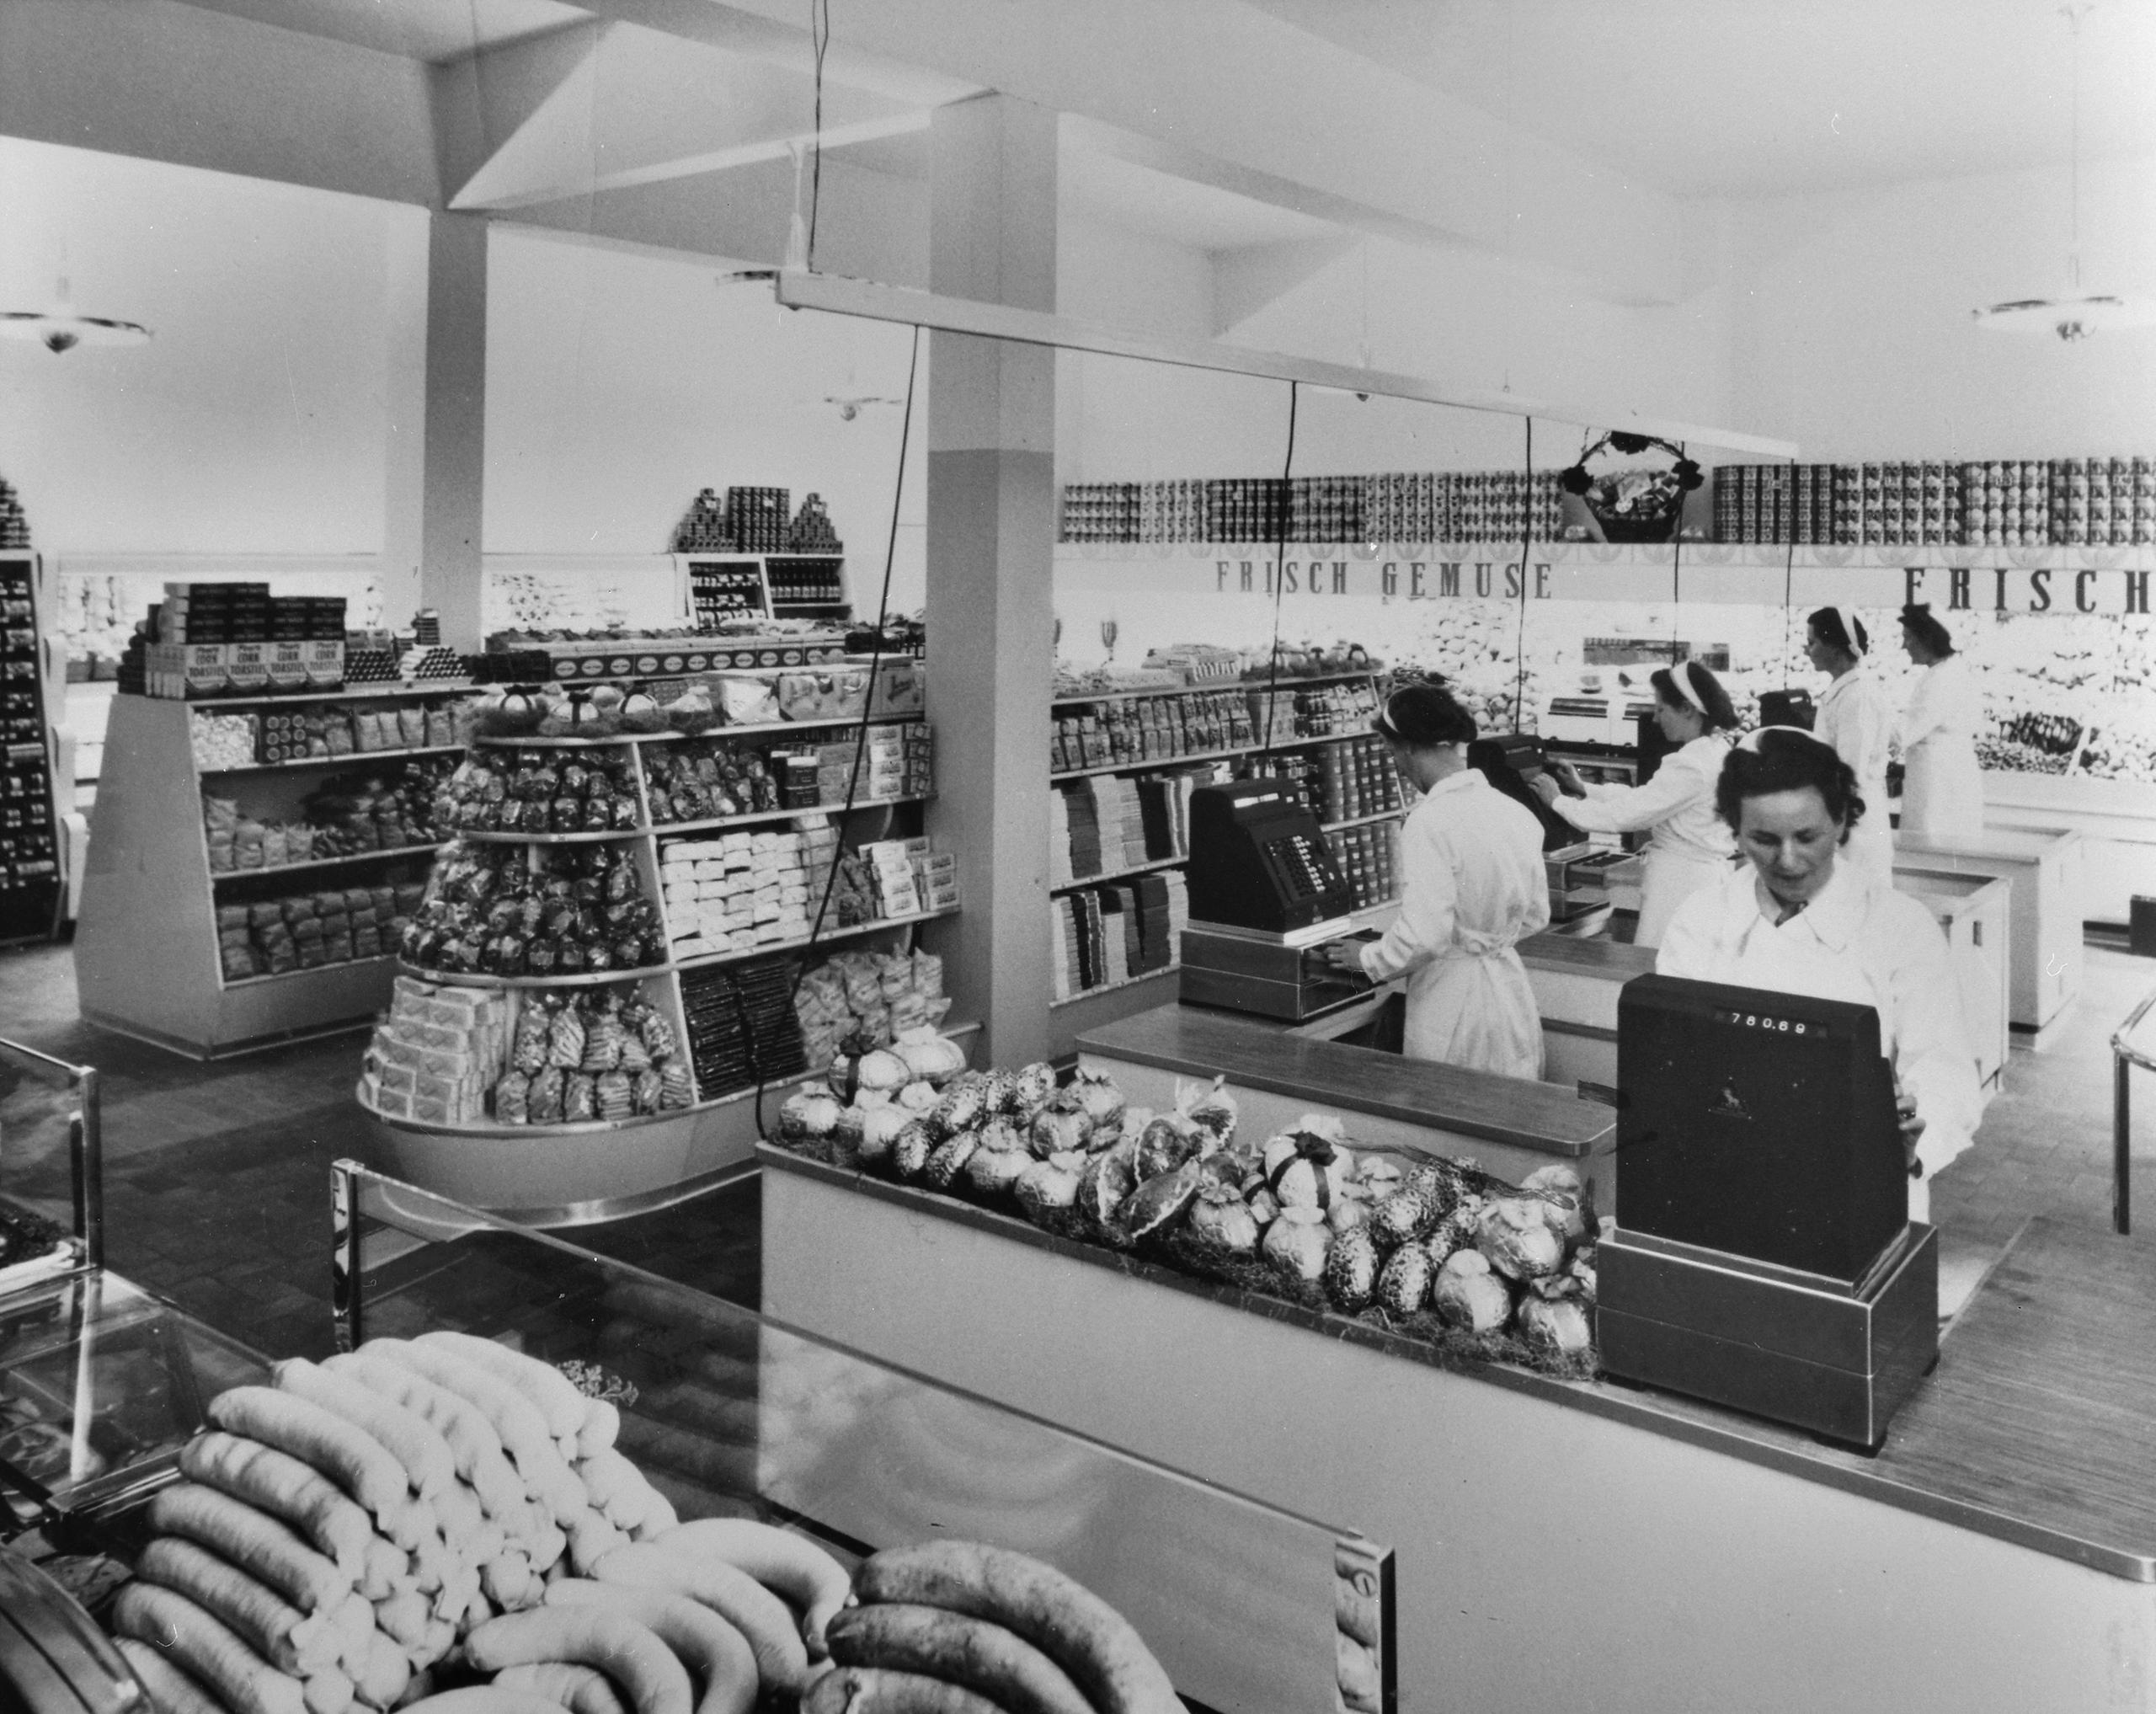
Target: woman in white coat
x: 1689, y: 844
x: 1472, y: 886
x: 1799, y: 919
x: 1858, y: 721
x: 1943, y: 789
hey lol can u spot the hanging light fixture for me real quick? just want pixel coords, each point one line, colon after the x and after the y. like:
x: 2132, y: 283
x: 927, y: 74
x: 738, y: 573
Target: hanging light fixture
x: 59, y: 328
x: 2074, y: 314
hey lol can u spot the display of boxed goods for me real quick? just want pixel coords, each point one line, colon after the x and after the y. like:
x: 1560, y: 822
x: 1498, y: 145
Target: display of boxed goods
x: 2010, y: 503
x: 1312, y: 711
x: 226, y: 741
x: 29, y: 848
x: 734, y: 892
x: 392, y: 810
x: 1427, y: 1246
x: 1397, y: 506
x: 511, y: 911
x: 891, y: 866
x: 856, y: 1003
x: 542, y: 791
x: 437, y: 1054
x: 444, y: 1523
x: 306, y: 931
x: 236, y: 639
x: 586, y: 1056
x: 742, y: 1026
x: 1144, y: 728
x: 613, y: 657
x: 1100, y: 936
x: 14, y: 522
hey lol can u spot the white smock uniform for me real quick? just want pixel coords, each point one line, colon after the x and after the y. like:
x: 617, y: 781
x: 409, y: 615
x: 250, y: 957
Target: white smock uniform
x: 1859, y: 941
x: 1473, y: 884
x: 1690, y: 845
x: 1943, y: 792
x: 1856, y: 719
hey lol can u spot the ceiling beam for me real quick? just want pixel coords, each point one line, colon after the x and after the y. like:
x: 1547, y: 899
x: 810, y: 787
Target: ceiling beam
x: 796, y: 289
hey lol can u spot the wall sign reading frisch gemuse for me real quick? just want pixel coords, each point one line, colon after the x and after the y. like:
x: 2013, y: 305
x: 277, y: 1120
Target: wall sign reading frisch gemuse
x: 2067, y: 585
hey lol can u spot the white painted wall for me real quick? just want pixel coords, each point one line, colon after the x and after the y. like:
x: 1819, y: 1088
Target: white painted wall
x: 255, y: 421
x: 1851, y: 331
x: 620, y: 382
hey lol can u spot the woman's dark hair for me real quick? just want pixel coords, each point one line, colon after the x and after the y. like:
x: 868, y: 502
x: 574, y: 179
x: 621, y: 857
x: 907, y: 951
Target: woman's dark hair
x: 1714, y: 700
x: 1917, y: 619
x: 1787, y: 759
x: 1827, y: 622
x: 1422, y: 716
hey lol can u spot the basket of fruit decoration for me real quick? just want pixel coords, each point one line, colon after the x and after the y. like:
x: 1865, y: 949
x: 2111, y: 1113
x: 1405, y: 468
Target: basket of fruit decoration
x: 1637, y: 502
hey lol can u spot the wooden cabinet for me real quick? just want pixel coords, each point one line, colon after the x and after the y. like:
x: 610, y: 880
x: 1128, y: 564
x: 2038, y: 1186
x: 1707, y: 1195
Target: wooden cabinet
x: 2044, y: 907
x: 1974, y: 913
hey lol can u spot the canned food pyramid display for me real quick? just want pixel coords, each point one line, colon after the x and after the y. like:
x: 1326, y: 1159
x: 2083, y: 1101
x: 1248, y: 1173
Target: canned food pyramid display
x: 1427, y: 1246
x: 445, y: 1524
x: 604, y: 941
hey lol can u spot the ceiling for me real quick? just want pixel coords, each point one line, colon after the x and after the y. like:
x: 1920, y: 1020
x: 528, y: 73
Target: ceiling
x: 1749, y: 97
x: 436, y: 31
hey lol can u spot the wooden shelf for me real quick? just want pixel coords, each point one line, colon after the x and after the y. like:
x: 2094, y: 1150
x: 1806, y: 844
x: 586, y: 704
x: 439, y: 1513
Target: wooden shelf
x: 666, y: 829
x: 494, y: 835
x: 852, y: 931
x: 1115, y: 875
x: 481, y: 979
x: 1363, y: 820
x: 1154, y: 763
x: 1169, y: 969
x: 307, y: 970
x: 1286, y: 682
x: 327, y: 863
x: 349, y: 758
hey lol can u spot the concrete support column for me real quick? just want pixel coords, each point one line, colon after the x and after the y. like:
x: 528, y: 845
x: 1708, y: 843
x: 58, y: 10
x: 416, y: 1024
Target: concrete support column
x: 991, y: 535
x: 452, y: 464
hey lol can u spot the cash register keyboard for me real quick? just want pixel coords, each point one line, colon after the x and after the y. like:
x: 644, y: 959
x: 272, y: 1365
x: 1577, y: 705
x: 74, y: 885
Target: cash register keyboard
x: 1301, y: 863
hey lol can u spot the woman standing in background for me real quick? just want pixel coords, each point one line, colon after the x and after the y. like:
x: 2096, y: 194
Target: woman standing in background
x: 1857, y: 721
x: 1689, y: 844
x: 1943, y: 792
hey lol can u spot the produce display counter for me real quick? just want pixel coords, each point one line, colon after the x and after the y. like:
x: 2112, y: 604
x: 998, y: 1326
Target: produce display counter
x: 1511, y: 1125
x: 2045, y: 907
x: 1576, y: 1543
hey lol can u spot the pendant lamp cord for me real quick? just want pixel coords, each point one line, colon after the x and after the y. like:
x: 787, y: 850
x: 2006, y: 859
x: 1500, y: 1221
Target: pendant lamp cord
x: 1788, y: 570
x: 1526, y: 551
x: 819, y: 40
x: 1281, y: 523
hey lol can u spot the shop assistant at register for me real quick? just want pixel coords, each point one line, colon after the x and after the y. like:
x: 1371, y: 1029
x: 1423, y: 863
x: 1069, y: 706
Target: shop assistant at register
x: 1803, y: 919
x: 1472, y: 885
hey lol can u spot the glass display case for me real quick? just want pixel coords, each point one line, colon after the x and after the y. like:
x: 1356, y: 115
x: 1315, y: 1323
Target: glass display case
x: 729, y: 1413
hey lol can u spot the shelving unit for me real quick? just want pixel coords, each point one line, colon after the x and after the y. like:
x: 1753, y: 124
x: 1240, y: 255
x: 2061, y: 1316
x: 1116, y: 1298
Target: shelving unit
x: 147, y: 960
x: 558, y: 1174
x: 32, y: 689
x: 1076, y: 1011
x: 728, y: 585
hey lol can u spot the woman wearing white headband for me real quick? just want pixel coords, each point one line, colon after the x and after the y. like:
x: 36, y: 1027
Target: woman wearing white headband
x: 1943, y: 794
x: 1799, y: 918
x: 1688, y: 845
x: 1856, y: 719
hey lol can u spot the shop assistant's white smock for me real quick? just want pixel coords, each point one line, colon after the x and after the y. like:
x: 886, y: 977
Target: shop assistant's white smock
x: 1472, y: 885
x: 1690, y: 845
x: 1856, y: 719
x: 1942, y: 791
x: 1861, y: 941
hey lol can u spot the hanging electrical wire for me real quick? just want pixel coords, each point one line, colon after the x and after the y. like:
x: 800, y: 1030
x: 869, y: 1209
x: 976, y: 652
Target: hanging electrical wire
x: 820, y: 41
x: 1526, y: 551
x: 1279, y: 564
x: 861, y: 729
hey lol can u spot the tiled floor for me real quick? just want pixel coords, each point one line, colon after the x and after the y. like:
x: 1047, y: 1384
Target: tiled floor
x: 217, y: 1176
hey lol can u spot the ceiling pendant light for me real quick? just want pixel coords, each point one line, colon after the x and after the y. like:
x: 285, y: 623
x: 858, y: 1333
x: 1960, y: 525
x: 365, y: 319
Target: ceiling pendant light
x: 2074, y: 314
x: 59, y: 328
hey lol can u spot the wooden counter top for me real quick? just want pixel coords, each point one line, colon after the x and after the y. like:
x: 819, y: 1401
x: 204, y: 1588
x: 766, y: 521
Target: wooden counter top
x: 1587, y: 956
x: 2038, y: 1427
x: 1263, y: 1054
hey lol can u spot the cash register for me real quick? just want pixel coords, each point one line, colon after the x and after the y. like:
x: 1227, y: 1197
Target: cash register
x: 1266, y: 897
x: 1762, y: 1255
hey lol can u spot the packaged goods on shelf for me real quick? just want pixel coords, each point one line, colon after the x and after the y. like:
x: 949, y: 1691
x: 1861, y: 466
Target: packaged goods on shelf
x: 438, y: 1052
x: 542, y: 791
x: 1144, y: 729
x: 857, y: 1002
x: 14, y: 522
x: 224, y: 741
x: 2010, y: 503
x: 742, y: 1026
x: 1312, y: 711
x: 559, y: 911
x: 1101, y: 935
x: 736, y: 891
x: 1430, y: 1248
x: 306, y: 931
x: 1468, y: 506
x: 593, y: 1054
x: 392, y: 810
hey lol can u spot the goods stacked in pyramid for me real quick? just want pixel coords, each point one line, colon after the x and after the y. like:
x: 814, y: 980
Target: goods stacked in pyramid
x: 1424, y: 1245
x: 503, y: 910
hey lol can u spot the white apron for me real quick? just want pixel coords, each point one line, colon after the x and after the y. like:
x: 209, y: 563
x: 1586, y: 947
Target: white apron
x: 1690, y: 845
x: 1671, y: 877
x: 1942, y: 791
x: 1474, y: 1009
